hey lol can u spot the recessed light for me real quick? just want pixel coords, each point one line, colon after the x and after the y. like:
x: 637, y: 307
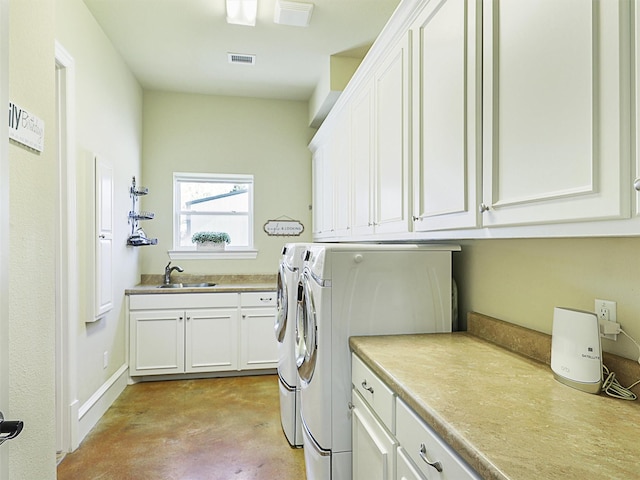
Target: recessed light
x: 295, y: 14
x: 242, y: 12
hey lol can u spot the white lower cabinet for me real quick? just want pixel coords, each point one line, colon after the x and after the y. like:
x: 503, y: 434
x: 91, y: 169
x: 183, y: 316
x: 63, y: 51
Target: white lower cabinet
x: 201, y: 333
x: 391, y: 442
x: 405, y: 469
x: 258, y: 349
x: 433, y: 457
x: 373, y: 446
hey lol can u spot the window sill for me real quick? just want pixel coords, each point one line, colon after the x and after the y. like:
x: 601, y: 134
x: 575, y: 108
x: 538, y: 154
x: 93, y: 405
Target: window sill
x: 204, y: 255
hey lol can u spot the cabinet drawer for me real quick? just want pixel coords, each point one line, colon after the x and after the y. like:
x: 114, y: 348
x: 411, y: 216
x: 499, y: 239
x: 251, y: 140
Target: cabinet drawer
x: 182, y: 300
x: 376, y: 394
x: 258, y: 299
x: 423, y: 445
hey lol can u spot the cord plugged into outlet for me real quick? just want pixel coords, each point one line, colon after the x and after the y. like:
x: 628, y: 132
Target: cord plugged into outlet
x: 607, y: 318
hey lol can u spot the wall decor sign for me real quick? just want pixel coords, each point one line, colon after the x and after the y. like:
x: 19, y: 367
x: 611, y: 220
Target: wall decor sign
x: 283, y: 227
x: 25, y: 128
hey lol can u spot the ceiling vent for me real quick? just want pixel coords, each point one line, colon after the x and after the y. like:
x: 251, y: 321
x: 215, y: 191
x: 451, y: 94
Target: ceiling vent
x: 295, y: 14
x: 241, y: 58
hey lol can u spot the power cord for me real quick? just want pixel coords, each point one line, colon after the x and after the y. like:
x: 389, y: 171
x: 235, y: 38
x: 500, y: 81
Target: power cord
x: 612, y: 387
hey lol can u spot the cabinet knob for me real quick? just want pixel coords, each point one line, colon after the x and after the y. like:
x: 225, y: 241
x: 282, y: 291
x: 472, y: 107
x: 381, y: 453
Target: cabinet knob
x: 636, y: 184
x: 484, y: 208
x: 423, y: 456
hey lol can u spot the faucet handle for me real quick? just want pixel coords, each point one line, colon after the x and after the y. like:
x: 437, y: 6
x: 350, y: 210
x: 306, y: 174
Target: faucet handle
x: 168, y: 265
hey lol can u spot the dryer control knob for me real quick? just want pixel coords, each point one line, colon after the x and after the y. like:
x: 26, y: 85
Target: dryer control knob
x: 358, y: 258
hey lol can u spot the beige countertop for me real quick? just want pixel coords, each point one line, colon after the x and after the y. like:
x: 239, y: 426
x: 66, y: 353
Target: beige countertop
x: 149, y: 284
x: 504, y: 413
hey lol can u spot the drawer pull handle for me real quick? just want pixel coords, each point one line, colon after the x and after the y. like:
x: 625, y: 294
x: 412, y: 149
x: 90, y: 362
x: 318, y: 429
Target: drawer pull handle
x: 423, y: 455
x: 267, y: 299
x: 367, y: 387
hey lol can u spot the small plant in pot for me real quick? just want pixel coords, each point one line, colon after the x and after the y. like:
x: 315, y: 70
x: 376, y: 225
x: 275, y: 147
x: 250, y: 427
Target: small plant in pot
x: 210, y: 240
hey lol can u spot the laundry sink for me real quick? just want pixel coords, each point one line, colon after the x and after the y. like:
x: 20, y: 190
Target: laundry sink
x: 187, y: 285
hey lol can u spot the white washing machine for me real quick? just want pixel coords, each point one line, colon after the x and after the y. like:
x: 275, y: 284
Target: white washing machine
x: 291, y: 264
x: 356, y: 289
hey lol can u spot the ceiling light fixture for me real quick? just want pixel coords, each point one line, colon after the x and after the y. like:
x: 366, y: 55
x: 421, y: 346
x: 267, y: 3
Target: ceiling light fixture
x: 295, y: 14
x: 242, y: 12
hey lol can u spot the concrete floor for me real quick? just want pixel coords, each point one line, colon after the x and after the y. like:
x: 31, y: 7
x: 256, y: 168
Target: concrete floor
x: 218, y: 429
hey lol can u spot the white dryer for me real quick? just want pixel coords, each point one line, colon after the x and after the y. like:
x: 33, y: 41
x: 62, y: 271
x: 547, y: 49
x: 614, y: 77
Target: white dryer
x: 358, y: 289
x: 291, y: 264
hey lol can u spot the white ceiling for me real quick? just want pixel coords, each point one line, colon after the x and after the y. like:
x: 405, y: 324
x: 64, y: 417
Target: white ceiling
x: 182, y: 45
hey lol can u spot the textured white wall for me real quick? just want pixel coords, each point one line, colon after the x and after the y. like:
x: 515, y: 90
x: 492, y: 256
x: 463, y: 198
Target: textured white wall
x: 198, y: 133
x: 32, y: 190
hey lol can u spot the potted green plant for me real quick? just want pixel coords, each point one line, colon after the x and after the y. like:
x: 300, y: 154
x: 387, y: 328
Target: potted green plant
x: 210, y: 240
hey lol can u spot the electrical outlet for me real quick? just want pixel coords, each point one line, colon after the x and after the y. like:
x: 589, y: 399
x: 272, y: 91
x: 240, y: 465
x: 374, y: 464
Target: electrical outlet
x: 105, y: 359
x: 607, y: 316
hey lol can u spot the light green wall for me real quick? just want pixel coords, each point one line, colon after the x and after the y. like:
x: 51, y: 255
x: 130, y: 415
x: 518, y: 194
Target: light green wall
x: 108, y: 123
x: 520, y: 281
x: 32, y: 190
x: 197, y: 133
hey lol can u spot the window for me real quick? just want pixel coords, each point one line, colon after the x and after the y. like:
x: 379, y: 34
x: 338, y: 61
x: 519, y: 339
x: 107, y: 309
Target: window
x: 213, y: 202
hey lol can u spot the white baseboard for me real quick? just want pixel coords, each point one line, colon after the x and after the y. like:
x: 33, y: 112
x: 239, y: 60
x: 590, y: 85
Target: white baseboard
x: 94, y: 408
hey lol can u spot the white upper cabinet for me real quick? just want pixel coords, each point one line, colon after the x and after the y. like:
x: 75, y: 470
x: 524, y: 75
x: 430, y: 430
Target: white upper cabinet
x: 467, y: 115
x: 380, y: 148
x: 340, y: 159
x: 556, y: 111
x: 322, y: 192
x: 362, y: 161
x: 446, y: 115
x: 391, y: 140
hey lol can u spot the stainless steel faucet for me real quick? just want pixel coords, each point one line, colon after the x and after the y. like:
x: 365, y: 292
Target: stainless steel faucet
x: 167, y: 272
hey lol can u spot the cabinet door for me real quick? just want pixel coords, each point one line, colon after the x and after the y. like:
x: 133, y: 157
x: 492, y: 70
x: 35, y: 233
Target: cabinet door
x: 362, y: 158
x: 322, y: 192
x: 556, y: 111
x: 392, y: 140
x: 211, y: 342
x: 446, y: 115
x: 341, y: 174
x: 103, y: 294
x: 373, y: 448
x: 156, y: 342
x: 259, y: 348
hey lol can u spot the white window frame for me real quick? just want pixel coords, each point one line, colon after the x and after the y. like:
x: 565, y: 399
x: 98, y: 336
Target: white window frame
x: 189, y: 253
